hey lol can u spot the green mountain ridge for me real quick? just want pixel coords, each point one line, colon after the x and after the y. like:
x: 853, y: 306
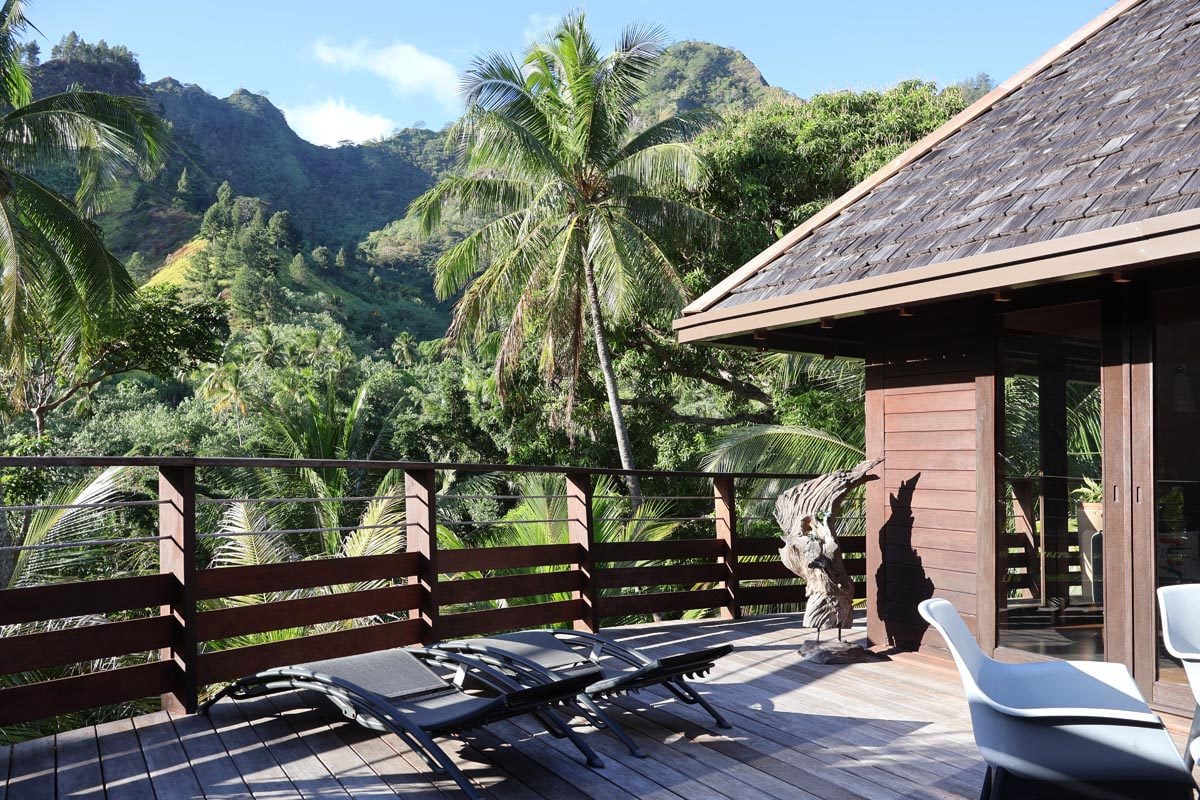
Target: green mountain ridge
x: 350, y: 197
x: 339, y: 195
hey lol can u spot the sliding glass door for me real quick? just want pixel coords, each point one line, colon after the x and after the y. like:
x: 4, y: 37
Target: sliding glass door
x: 1176, y: 457
x: 1050, y: 601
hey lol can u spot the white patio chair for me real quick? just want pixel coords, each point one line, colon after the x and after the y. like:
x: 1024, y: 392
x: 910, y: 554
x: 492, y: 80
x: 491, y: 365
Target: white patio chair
x: 1179, y: 607
x: 1077, y: 723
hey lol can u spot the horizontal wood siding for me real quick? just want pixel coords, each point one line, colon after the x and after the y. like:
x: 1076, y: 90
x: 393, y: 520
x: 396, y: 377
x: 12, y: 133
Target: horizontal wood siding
x: 928, y: 536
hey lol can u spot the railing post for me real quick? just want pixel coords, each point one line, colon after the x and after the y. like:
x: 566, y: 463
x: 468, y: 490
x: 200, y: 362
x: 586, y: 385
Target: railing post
x: 420, y: 513
x: 177, y: 557
x: 725, y: 514
x: 580, y: 531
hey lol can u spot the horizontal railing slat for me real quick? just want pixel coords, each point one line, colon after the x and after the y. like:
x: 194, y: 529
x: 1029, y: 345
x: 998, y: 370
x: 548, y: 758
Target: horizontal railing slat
x: 84, y: 643
x: 80, y: 692
x: 58, y: 600
x: 621, y: 577
x: 656, y: 551
x: 771, y: 595
x: 227, y: 665
x: 474, y: 559
x: 764, y: 571
x: 534, y: 615
x: 661, y: 602
x: 225, y: 622
x: 504, y: 587
x: 769, y: 545
x: 233, y: 581
x: 759, y: 545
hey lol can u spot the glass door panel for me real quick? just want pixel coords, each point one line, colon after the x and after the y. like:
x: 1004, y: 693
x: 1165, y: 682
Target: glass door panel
x: 1176, y: 450
x: 1051, y: 600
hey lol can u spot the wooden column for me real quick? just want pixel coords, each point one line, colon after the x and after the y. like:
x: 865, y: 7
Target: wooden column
x: 581, y: 531
x: 1117, y: 407
x: 420, y: 512
x: 725, y: 514
x: 990, y: 558
x: 177, y: 557
x: 876, y: 507
x: 1137, y: 577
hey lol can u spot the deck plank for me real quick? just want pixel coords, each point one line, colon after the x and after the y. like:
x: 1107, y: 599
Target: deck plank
x: 170, y: 770
x: 401, y: 776
x: 78, y: 772
x: 311, y: 726
x: 126, y: 776
x: 259, y: 770
x: 32, y: 771
x: 303, y: 769
x: 211, y: 763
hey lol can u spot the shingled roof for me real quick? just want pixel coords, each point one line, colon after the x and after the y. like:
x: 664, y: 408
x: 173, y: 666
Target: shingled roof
x: 1104, y: 134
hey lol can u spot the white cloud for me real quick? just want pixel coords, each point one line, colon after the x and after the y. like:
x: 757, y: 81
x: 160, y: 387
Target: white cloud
x: 537, y: 24
x: 333, y: 120
x: 409, y: 70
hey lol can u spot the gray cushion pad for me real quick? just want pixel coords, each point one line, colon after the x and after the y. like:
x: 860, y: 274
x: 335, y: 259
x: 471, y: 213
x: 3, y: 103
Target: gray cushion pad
x: 394, y: 674
x: 541, y: 647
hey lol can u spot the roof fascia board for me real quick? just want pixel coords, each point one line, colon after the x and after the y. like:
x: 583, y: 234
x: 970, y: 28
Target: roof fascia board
x: 923, y: 146
x: 1157, y: 239
x: 928, y: 276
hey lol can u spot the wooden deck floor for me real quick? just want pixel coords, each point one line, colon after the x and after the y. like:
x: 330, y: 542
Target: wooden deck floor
x: 886, y: 730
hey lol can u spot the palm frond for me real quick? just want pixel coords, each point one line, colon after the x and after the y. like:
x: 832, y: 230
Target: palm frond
x: 666, y: 165
x: 53, y: 528
x: 13, y: 80
x: 106, y: 133
x: 782, y: 448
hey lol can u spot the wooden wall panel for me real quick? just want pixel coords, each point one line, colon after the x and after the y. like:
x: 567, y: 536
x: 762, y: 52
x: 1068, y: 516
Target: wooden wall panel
x: 927, y: 432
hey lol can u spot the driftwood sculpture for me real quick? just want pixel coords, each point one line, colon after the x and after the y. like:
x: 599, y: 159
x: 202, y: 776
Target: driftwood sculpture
x: 806, y: 515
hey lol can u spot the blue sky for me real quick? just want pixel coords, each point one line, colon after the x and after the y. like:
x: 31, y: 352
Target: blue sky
x: 360, y: 68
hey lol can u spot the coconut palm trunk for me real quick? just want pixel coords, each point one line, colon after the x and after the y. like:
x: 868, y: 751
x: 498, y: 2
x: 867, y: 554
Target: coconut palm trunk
x: 604, y: 356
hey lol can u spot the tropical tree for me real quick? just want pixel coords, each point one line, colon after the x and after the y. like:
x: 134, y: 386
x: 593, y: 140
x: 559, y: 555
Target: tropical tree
x: 794, y: 446
x: 48, y: 248
x: 581, y: 226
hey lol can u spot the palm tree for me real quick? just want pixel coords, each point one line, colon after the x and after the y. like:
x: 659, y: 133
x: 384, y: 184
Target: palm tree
x: 53, y: 260
x: 581, y: 228
x: 801, y: 449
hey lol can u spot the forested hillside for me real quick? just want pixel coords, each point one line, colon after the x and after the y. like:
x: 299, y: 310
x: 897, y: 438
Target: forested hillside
x: 335, y: 195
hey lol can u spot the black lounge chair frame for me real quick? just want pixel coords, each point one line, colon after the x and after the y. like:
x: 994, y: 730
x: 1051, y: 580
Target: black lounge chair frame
x: 668, y: 671
x: 377, y: 712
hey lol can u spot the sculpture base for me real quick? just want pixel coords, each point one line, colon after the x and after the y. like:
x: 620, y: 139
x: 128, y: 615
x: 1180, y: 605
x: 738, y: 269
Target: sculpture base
x: 837, y: 652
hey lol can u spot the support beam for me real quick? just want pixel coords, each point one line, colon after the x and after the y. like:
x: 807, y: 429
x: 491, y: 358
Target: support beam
x: 420, y: 512
x: 725, y: 514
x: 177, y: 558
x: 876, y: 501
x: 581, y: 531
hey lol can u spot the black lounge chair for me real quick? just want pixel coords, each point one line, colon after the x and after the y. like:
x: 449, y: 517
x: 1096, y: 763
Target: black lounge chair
x: 543, y: 657
x: 396, y: 691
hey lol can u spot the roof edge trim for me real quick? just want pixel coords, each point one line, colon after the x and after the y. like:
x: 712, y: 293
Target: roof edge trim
x: 1130, y: 245
x: 919, y: 149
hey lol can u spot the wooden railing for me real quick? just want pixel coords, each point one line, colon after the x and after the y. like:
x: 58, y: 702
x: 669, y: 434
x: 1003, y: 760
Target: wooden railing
x: 183, y: 622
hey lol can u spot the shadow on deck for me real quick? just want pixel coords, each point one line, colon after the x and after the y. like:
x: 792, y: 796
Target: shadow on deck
x: 882, y: 730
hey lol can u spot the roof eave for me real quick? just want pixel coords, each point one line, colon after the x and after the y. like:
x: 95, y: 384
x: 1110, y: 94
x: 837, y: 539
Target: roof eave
x: 1136, y: 244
